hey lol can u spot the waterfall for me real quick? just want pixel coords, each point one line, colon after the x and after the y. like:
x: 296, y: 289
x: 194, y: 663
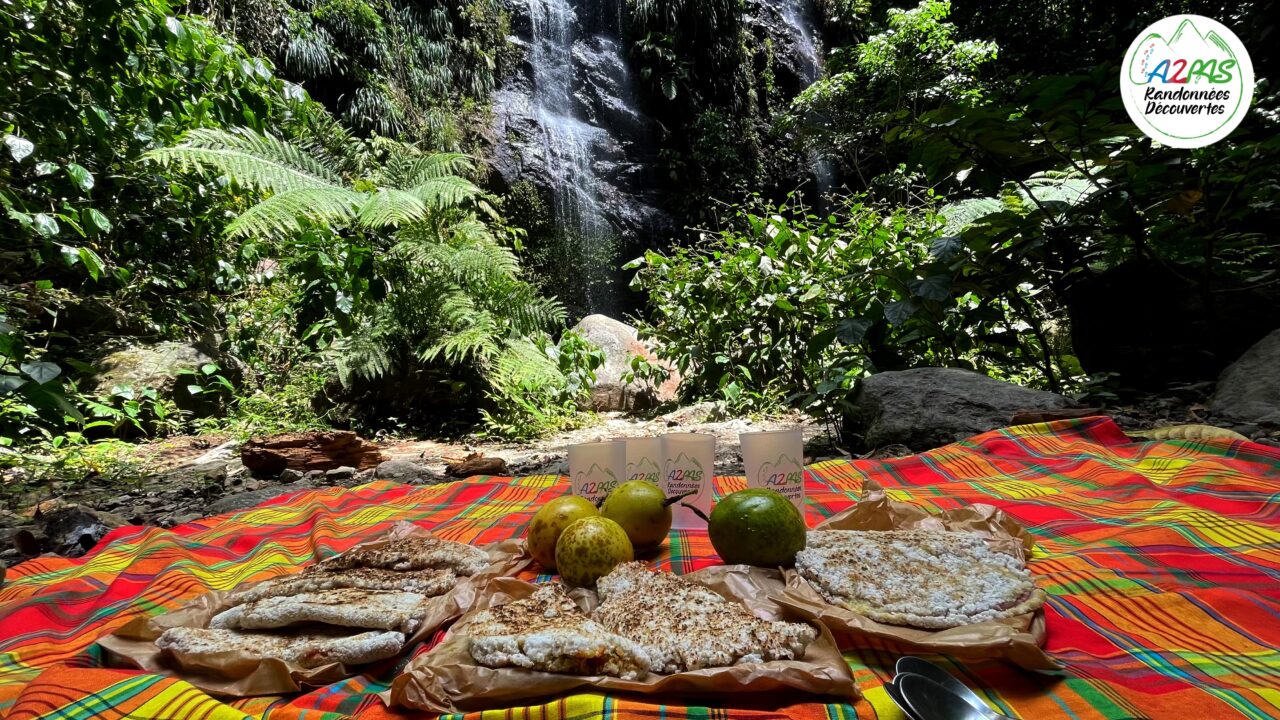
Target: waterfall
x: 803, y: 27
x: 570, y: 144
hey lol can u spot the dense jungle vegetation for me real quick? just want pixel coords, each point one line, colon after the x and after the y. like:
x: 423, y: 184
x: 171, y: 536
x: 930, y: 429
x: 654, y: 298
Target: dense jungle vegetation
x: 300, y: 188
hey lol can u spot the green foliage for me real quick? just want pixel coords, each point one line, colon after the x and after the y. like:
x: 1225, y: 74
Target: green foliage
x: 1082, y: 190
x: 538, y: 387
x: 390, y: 67
x: 408, y: 249
x: 916, y: 63
x: 788, y: 307
x: 96, y: 242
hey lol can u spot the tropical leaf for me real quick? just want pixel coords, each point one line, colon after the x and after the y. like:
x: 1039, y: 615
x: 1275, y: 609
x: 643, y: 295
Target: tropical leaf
x: 960, y: 215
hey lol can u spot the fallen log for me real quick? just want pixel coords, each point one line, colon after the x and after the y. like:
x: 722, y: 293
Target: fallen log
x: 314, y: 450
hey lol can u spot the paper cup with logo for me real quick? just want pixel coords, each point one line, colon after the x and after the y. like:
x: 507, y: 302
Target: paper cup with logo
x: 689, y: 461
x: 644, y: 459
x: 596, y: 468
x: 774, y: 460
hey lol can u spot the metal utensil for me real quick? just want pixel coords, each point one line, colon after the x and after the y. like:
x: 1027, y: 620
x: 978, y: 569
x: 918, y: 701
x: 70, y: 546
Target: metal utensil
x: 930, y: 701
x: 901, y: 702
x: 924, y: 668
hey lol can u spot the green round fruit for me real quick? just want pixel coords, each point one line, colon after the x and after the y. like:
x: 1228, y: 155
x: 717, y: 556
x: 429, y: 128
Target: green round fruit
x: 590, y: 548
x: 550, y: 521
x: 641, y: 508
x: 757, y: 527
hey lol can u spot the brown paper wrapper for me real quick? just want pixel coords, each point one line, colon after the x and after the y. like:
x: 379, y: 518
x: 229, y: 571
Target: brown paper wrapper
x: 238, y: 675
x: 447, y: 680
x: 1016, y: 639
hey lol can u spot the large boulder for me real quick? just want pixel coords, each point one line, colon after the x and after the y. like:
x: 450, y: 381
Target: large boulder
x: 157, y: 366
x: 928, y: 407
x: 620, y: 343
x: 1249, y: 390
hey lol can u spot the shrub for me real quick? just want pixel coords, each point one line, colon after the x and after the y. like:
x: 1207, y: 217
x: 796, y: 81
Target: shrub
x: 785, y: 307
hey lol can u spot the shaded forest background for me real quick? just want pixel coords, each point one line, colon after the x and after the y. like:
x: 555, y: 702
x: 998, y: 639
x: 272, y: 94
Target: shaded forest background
x: 303, y: 191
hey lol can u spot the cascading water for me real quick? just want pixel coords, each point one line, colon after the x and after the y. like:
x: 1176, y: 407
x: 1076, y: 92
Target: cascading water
x: 569, y: 122
x: 802, y: 25
x: 568, y: 141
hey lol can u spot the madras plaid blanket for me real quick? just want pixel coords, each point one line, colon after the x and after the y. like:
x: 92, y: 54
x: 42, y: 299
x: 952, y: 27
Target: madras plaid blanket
x: 1161, y: 560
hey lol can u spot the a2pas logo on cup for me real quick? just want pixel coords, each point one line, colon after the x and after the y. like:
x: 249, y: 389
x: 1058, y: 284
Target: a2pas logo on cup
x: 1187, y: 81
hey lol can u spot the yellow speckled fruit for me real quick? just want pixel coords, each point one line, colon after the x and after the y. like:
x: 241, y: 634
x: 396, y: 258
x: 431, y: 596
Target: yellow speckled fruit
x: 550, y: 521
x: 642, y: 509
x: 590, y: 548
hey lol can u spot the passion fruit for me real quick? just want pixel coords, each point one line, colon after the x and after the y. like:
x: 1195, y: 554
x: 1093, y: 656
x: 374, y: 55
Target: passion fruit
x: 756, y: 526
x: 643, y: 511
x: 591, y: 548
x: 550, y: 521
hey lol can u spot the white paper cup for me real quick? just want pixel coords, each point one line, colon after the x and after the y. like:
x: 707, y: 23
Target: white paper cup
x: 596, y: 468
x: 644, y: 459
x: 689, y: 461
x: 775, y: 460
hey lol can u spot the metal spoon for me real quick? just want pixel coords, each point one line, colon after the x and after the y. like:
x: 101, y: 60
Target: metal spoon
x: 901, y: 702
x: 930, y: 701
x: 924, y: 668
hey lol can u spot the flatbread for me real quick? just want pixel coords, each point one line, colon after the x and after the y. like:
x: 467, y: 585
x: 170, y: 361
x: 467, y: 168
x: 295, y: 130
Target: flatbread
x: 684, y: 626
x: 412, y: 553
x: 547, y: 631
x: 192, y: 645
x: 348, y: 607
x: 428, y: 583
x: 919, y: 578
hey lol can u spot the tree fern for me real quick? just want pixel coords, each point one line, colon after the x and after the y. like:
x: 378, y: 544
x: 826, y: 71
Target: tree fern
x: 445, y: 191
x: 390, y: 207
x: 449, y: 291
x: 261, y: 162
x: 289, y: 212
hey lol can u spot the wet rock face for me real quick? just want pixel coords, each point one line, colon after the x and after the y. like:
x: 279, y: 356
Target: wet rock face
x: 569, y: 120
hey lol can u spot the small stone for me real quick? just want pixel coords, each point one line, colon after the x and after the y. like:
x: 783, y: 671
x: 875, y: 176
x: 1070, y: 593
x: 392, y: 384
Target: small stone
x: 289, y: 475
x: 345, y: 472
x: 401, y: 470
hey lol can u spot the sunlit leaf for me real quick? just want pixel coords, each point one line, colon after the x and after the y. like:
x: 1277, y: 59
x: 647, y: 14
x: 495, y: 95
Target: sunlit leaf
x: 41, y: 371
x: 80, y: 176
x: 45, y: 224
x: 19, y: 148
x: 92, y: 262
x: 97, y: 220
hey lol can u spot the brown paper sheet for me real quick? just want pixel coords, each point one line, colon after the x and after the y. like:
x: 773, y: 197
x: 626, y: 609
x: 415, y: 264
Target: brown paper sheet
x: 235, y: 674
x: 1016, y: 639
x: 447, y: 680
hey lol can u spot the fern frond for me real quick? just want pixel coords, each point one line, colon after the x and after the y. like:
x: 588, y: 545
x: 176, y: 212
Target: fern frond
x: 477, y: 338
x: 446, y: 191
x: 436, y: 166
x: 523, y: 365
x: 288, y: 212
x: 261, y: 162
x: 391, y: 207
x: 368, y: 352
